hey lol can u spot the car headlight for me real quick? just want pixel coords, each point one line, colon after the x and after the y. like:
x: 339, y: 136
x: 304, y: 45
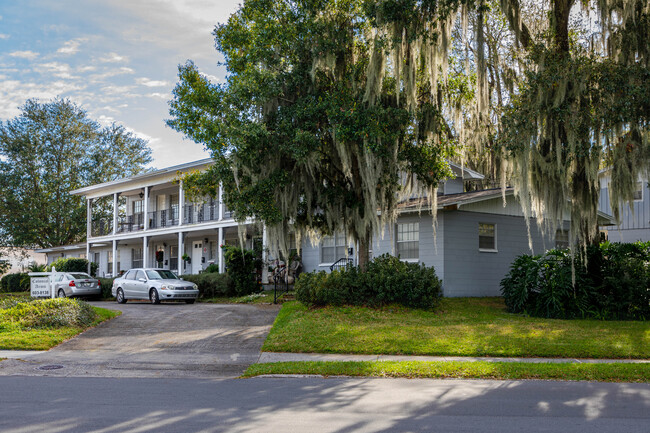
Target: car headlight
x: 167, y: 287
x: 194, y: 286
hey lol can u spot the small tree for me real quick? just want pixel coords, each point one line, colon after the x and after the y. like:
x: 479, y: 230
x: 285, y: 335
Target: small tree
x: 240, y: 266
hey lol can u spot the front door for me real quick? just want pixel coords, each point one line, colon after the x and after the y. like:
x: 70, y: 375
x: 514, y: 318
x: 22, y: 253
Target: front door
x: 197, y: 255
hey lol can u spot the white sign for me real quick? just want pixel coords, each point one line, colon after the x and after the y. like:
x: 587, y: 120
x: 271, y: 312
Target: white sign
x: 40, y: 287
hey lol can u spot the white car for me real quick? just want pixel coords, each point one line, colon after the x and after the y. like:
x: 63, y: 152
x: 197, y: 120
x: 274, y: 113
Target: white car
x: 153, y: 284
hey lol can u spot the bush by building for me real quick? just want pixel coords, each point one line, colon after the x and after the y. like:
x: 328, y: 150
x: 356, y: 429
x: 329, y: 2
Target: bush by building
x: 611, y: 281
x: 241, y: 267
x: 387, y: 280
x: 73, y: 264
x: 212, y: 284
x: 18, y: 282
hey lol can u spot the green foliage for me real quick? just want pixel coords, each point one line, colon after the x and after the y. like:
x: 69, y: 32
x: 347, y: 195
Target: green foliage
x: 613, y: 284
x: 212, y: 284
x: 387, y: 280
x: 306, y: 129
x: 107, y: 285
x: 49, y: 313
x: 73, y: 264
x: 212, y: 267
x: 48, y: 150
x: 240, y: 267
x: 35, y: 267
x: 18, y: 282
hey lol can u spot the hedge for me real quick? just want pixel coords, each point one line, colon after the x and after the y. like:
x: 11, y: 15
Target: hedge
x: 73, y: 264
x: 18, y: 282
x: 212, y: 284
x: 387, y: 280
x: 611, y: 281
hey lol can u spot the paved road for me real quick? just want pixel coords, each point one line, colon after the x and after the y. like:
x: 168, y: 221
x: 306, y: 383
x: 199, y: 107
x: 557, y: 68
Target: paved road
x: 167, y: 340
x: 66, y: 405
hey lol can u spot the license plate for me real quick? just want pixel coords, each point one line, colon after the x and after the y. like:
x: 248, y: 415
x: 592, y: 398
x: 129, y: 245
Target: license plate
x: 86, y: 284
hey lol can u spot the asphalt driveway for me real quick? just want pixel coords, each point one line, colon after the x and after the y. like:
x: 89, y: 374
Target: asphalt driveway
x: 167, y: 340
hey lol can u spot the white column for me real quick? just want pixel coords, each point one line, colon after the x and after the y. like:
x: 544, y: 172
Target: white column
x: 181, y: 204
x: 146, y: 208
x: 220, y: 207
x: 181, y: 251
x: 220, y: 251
x: 114, y: 270
x: 114, y: 213
x: 265, y: 267
x: 89, y: 222
x: 88, y: 255
x: 145, y: 252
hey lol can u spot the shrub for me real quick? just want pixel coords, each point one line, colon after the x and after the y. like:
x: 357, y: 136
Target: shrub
x: 241, y: 265
x: 211, y: 268
x: 612, y: 284
x: 14, y: 283
x: 387, y: 280
x: 50, y: 313
x: 73, y: 264
x: 212, y: 285
x: 107, y: 285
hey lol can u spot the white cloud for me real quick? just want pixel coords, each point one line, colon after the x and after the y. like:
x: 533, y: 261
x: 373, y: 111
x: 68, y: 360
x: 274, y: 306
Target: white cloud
x: 159, y: 95
x: 71, y: 46
x: 151, y: 83
x: 113, y: 58
x: 29, y: 55
x: 4, y: 36
x: 211, y: 78
x: 86, y: 68
x: 105, y: 120
x: 60, y: 70
x: 126, y: 70
x: 14, y: 93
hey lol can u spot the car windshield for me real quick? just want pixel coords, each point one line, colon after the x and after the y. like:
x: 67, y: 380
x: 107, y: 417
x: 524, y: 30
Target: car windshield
x: 161, y: 274
x: 80, y: 276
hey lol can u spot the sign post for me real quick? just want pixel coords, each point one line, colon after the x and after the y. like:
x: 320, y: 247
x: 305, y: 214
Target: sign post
x: 42, y: 284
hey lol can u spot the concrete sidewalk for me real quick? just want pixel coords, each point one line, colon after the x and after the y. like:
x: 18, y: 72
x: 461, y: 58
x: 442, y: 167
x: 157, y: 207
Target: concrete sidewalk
x: 289, y: 357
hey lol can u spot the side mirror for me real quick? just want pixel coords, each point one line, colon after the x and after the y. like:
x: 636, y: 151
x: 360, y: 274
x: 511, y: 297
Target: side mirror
x: 142, y: 280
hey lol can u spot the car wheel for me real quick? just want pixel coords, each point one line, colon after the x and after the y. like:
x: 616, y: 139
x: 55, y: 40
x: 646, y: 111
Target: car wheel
x: 61, y: 294
x: 120, y: 297
x: 189, y: 301
x: 153, y: 296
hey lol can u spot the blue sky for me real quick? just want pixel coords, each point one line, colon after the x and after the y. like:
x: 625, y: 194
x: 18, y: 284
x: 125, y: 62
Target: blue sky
x: 118, y: 59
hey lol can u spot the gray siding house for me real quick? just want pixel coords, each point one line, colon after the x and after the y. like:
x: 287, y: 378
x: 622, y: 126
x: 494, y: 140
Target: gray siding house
x: 635, y: 220
x: 151, y: 223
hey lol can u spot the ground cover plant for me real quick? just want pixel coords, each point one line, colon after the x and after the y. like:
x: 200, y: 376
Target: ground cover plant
x: 27, y: 324
x: 458, y: 327
x: 387, y: 280
x: 615, y: 372
x: 609, y: 282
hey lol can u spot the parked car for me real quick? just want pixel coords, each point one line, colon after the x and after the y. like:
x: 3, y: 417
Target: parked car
x: 153, y: 284
x: 76, y: 284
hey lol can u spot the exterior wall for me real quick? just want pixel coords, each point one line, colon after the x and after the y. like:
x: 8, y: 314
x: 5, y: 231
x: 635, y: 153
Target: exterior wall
x: 470, y: 272
x: 635, y: 220
x: 454, y: 186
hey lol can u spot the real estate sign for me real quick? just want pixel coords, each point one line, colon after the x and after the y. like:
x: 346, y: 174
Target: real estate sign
x: 40, y: 287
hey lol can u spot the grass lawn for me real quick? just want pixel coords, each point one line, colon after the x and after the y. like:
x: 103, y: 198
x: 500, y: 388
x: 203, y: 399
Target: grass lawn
x: 462, y: 370
x: 15, y: 337
x: 459, y: 327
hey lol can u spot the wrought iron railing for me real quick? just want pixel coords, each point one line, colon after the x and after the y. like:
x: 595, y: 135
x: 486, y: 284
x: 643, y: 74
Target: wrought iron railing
x: 102, y: 227
x: 163, y: 218
x: 341, y: 263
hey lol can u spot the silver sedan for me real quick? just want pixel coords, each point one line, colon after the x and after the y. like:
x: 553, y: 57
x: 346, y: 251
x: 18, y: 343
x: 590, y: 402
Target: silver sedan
x: 153, y: 284
x: 76, y: 284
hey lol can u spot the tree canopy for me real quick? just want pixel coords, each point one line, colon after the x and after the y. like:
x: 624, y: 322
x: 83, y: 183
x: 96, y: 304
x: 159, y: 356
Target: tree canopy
x: 48, y: 150
x: 333, y: 110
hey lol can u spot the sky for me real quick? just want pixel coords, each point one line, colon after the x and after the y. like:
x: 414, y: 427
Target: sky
x: 117, y: 59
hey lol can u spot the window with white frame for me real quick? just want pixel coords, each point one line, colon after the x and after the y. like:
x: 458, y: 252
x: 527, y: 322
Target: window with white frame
x: 333, y: 248
x: 561, y: 239
x: 109, y: 263
x: 638, y: 192
x: 136, y: 257
x: 408, y: 240
x: 487, y: 237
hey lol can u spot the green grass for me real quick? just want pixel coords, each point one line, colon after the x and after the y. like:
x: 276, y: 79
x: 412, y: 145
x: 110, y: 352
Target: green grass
x: 618, y: 372
x: 459, y: 327
x: 15, y: 337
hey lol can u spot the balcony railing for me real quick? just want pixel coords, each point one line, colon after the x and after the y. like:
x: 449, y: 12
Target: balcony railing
x: 130, y: 223
x: 163, y: 218
x: 195, y: 214
x: 102, y: 227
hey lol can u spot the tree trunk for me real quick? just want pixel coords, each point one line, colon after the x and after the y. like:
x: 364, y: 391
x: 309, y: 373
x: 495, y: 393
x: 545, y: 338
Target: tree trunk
x: 364, y: 252
x: 561, y: 10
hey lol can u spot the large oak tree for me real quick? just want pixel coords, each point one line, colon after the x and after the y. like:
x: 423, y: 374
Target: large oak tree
x: 48, y: 150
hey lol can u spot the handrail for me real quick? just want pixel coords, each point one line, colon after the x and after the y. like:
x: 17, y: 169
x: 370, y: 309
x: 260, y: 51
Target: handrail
x: 343, y: 262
